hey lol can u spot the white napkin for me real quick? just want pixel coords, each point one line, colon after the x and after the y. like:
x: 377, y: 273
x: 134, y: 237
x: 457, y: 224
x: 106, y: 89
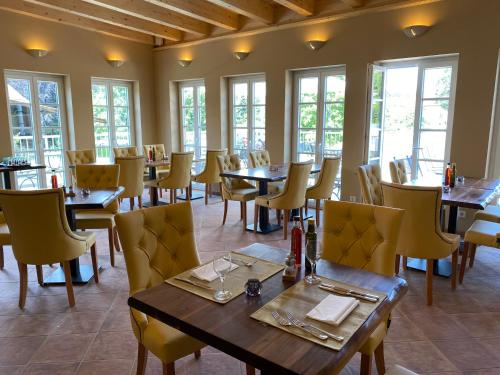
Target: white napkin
x: 207, y: 273
x: 333, y: 309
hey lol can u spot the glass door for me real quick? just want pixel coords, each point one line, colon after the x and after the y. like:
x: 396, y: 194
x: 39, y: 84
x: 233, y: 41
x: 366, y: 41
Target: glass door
x: 193, y: 118
x: 38, y: 126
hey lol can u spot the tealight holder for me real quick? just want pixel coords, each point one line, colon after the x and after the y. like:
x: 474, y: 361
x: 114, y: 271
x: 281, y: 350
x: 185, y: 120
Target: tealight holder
x: 253, y: 287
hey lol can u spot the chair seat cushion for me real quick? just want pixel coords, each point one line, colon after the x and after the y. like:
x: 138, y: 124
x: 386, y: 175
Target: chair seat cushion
x: 263, y: 200
x: 399, y: 370
x: 375, y: 339
x: 244, y: 195
x: 453, y: 238
x: 490, y: 213
x: 94, y: 219
x: 89, y: 237
x: 484, y: 233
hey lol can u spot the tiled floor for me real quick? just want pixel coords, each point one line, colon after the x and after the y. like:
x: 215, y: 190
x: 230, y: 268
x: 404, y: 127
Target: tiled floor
x: 460, y: 334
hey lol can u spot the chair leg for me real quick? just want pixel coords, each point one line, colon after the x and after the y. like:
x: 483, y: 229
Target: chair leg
x: 93, y: 254
x: 428, y: 279
x: 463, y: 262
x: 69, y: 284
x: 250, y: 369
x: 169, y: 368
x: 366, y: 364
x: 396, y: 264
x: 305, y: 205
x: 23, y: 284
x: 220, y: 190
x: 175, y: 195
x: 405, y: 263
x: 302, y: 219
x: 286, y: 219
x: 142, y: 359
x: 241, y: 210
x: 206, y: 194
x: 188, y: 193
x: 244, y: 213
x: 226, y: 203
x: 454, y: 264
x: 39, y: 274
x: 197, y: 354
x: 139, y: 200
x: 278, y: 216
x: 111, y: 247
x: 318, y: 205
x: 131, y: 199
x: 2, y: 264
x: 379, y: 358
x: 255, y: 218
x: 472, y: 254
x: 161, y: 193
x: 116, y: 239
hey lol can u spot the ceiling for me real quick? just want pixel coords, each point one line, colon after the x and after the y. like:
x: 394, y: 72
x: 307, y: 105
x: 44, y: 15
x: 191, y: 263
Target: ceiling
x: 177, y: 22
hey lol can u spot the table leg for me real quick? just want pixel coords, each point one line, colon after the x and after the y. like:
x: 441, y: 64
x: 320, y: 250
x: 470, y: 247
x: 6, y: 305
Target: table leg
x: 152, y: 173
x: 80, y: 274
x: 193, y: 196
x: 6, y: 180
x: 264, y: 226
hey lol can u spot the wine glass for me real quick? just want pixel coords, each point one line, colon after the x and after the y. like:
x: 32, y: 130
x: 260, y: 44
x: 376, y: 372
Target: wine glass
x: 313, y: 254
x: 222, y: 266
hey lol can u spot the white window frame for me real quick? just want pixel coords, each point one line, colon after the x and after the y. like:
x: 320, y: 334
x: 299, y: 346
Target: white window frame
x: 198, y: 147
x: 250, y: 80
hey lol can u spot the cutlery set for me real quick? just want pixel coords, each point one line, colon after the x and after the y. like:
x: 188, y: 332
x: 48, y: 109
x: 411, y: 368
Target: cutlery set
x: 349, y: 292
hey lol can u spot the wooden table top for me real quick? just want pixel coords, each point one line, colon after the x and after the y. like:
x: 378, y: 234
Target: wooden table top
x: 278, y: 173
x: 13, y: 168
x: 98, y: 198
x: 230, y: 329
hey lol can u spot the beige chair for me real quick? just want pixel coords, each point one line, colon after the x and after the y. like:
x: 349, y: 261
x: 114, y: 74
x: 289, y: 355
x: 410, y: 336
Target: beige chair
x: 490, y: 213
x: 210, y: 174
x: 179, y: 176
x: 292, y: 197
x: 4, y: 238
x: 235, y: 189
x: 363, y: 236
x: 262, y: 159
x: 99, y: 177
x: 170, y: 249
x: 41, y: 235
x: 76, y: 157
x: 421, y: 235
x: 398, y: 171
x: 123, y: 152
x: 370, y: 177
x: 131, y: 179
x: 323, y: 189
x: 485, y: 233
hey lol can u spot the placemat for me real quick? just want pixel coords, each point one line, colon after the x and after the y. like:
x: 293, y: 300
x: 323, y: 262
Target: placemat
x: 235, y: 281
x: 302, y: 298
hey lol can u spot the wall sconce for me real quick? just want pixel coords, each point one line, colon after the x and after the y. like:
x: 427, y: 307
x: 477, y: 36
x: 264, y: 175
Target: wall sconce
x: 241, y: 55
x: 184, y: 62
x: 414, y: 31
x: 315, y: 45
x: 115, y: 63
x: 36, y: 52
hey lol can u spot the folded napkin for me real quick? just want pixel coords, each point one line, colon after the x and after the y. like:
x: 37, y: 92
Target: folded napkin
x: 207, y: 273
x: 333, y: 309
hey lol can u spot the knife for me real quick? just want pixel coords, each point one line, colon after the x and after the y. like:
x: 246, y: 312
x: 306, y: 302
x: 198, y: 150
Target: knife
x: 349, y: 292
x: 195, y: 283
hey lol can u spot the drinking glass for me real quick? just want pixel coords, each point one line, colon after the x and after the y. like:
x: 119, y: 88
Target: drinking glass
x: 222, y: 267
x: 313, y: 254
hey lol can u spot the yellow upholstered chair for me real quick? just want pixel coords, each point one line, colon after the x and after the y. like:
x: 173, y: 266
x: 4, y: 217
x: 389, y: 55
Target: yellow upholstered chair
x: 485, y: 233
x: 323, y: 189
x: 370, y: 177
x: 40, y: 235
x: 262, y: 159
x: 293, y: 195
x: 99, y: 177
x: 179, y: 176
x: 76, y: 157
x: 4, y: 238
x: 158, y: 243
x: 421, y: 235
x: 363, y: 236
x: 123, y: 152
x: 210, y: 174
x: 235, y: 189
x: 398, y: 171
x: 490, y: 213
x: 131, y: 170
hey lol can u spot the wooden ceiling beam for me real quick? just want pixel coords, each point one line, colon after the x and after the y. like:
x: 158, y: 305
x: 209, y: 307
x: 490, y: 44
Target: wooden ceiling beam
x: 48, y: 14
x: 353, y: 3
x: 203, y: 11
x: 94, y: 12
x: 258, y: 10
x: 151, y: 12
x: 302, y: 7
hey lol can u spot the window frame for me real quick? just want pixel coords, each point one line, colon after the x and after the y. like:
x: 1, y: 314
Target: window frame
x: 197, y: 146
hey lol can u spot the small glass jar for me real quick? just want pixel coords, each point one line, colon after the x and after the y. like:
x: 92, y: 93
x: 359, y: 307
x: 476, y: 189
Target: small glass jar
x: 253, y: 287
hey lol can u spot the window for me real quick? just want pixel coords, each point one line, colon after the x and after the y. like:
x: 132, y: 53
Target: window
x: 113, y: 117
x: 37, y: 117
x: 319, y: 115
x: 248, y: 115
x: 411, y: 114
x: 193, y: 118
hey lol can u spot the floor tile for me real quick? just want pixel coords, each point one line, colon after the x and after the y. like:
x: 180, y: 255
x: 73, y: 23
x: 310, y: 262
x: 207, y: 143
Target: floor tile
x: 81, y: 322
x: 19, y: 350
x: 51, y: 369
x: 468, y: 354
x: 111, y: 367
x: 63, y: 348
x: 113, y: 345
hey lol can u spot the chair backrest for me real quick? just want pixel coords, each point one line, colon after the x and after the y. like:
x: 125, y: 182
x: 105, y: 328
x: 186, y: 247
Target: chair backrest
x: 361, y: 235
x: 180, y: 170
x: 260, y: 158
x: 38, y: 226
x: 159, y: 150
x: 211, y: 171
x: 327, y: 175
x: 370, y: 177
x: 294, y: 191
x: 131, y: 175
x: 95, y: 176
x: 228, y: 163
x: 76, y: 157
x: 421, y: 235
x: 158, y: 243
x: 121, y: 152
x: 398, y: 171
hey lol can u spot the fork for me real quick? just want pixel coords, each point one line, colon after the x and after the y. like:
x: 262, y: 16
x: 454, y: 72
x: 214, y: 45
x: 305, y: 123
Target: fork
x: 282, y: 321
x: 297, y: 322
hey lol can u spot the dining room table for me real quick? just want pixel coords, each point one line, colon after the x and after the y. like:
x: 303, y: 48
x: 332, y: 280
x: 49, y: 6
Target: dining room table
x: 97, y: 199
x: 6, y: 170
x: 264, y: 175
x: 231, y: 329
